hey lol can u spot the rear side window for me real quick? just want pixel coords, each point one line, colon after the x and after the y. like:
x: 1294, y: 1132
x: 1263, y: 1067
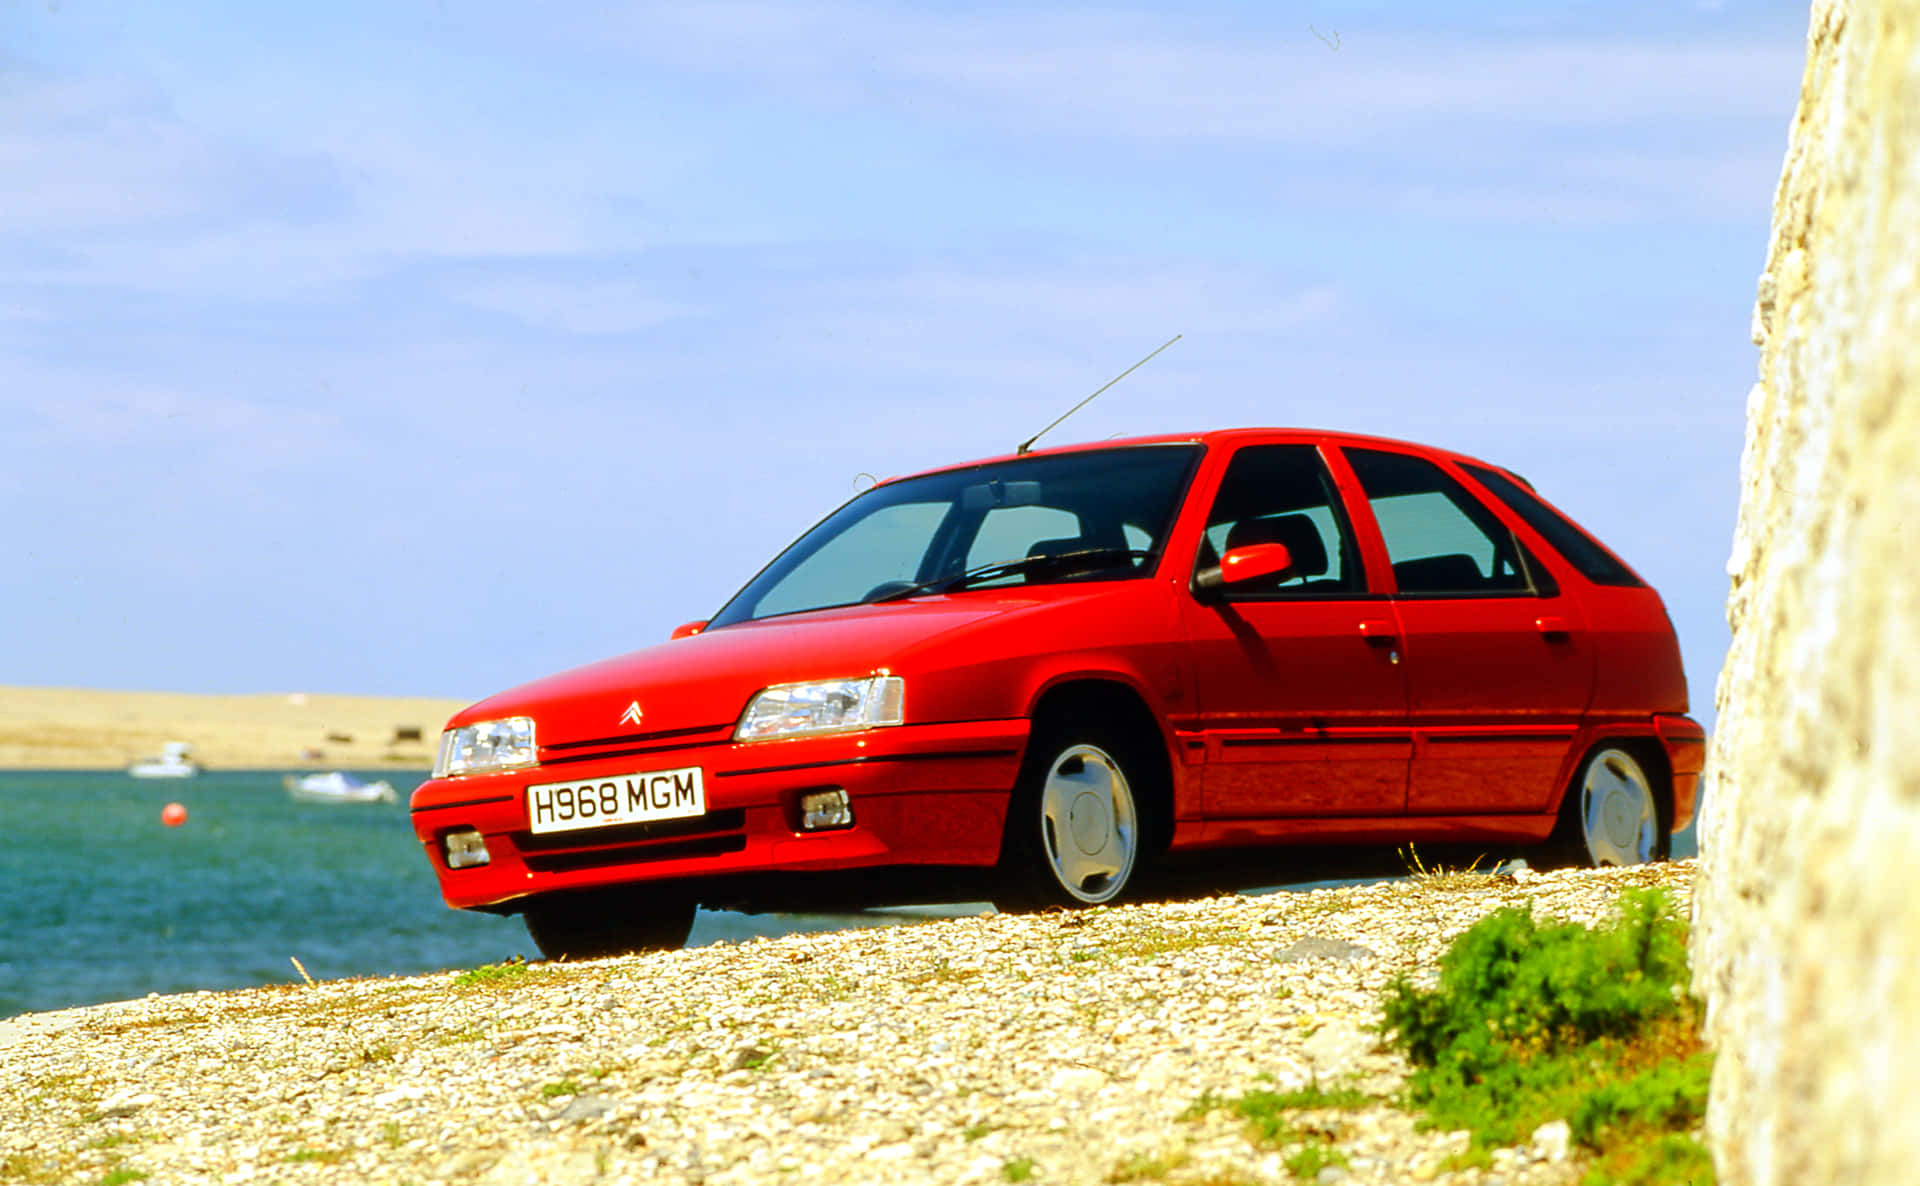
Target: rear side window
x: 1439, y: 538
x: 1575, y: 546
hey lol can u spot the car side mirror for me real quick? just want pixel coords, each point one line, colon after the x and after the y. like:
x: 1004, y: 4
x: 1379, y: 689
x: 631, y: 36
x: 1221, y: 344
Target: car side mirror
x: 1244, y: 564
x: 686, y: 630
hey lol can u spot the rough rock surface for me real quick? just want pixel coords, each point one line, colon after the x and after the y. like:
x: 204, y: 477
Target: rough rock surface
x: 1067, y: 1048
x: 1807, y: 928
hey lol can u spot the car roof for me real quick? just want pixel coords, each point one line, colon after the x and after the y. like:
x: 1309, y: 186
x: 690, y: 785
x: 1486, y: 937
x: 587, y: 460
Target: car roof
x: 1218, y: 436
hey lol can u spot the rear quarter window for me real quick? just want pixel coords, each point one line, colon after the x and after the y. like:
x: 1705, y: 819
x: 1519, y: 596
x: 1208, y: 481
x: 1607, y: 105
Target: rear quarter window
x: 1575, y: 546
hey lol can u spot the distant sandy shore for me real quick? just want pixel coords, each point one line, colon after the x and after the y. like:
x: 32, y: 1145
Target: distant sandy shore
x: 80, y: 729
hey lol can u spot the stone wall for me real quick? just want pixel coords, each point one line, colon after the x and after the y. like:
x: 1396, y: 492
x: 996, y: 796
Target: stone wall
x: 1807, y: 940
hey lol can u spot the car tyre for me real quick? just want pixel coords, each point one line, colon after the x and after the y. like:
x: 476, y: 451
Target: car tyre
x: 593, y: 925
x: 1076, y: 826
x: 1615, y: 813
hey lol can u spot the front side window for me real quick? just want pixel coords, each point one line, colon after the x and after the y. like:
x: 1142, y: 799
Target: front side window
x: 1439, y: 539
x: 1095, y: 515
x: 1283, y: 494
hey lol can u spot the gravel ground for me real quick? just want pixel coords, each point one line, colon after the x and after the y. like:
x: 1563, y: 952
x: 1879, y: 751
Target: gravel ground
x: 1053, y: 1048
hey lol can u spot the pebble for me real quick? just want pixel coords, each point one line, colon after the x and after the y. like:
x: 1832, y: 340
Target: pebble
x: 1067, y: 1048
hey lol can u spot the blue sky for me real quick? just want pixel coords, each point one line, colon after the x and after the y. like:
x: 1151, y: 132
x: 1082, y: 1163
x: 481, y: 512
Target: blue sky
x: 428, y: 348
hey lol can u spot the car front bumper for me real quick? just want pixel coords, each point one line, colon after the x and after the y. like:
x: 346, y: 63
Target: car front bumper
x: 922, y: 795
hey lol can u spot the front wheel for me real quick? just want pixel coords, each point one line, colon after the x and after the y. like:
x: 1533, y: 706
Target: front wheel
x: 1074, y: 827
x: 599, y: 923
x: 1613, y: 814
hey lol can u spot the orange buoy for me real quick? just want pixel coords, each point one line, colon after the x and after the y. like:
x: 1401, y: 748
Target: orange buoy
x: 173, y: 815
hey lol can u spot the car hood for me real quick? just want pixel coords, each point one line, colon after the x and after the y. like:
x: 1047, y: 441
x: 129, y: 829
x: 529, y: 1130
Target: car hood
x: 705, y: 681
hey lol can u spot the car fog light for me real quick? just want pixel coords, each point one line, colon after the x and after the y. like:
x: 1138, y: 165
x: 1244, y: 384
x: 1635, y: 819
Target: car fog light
x: 465, y: 849
x: 821, y: 810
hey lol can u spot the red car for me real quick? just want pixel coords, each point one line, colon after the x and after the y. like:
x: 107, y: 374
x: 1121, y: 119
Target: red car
x: 1060, y: 665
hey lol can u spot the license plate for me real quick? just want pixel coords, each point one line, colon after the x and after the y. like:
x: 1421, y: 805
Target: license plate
x: 616, y: 799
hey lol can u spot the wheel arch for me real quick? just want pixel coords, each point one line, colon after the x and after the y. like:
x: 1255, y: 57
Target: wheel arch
x: 1646, y: 750
x: 1114, y: 701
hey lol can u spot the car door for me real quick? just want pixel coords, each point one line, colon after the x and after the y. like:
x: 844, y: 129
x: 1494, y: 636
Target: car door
x: 1499, y: 662
x: 1302, y: 700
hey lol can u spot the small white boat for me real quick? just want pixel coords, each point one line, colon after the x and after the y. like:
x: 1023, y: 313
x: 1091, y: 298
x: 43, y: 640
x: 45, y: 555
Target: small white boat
x: 337, y: 786
x: 175, y: 761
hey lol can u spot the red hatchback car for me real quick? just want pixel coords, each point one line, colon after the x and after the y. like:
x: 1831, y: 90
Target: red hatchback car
x: 1058, y: 666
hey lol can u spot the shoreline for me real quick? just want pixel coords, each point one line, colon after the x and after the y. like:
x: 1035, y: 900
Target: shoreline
x: 1064, y: 1047
x: 52, y: 729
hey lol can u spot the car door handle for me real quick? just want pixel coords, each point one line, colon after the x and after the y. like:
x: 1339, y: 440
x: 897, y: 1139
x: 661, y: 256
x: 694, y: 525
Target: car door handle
x: 1379, y: 633
x: 1552, y: 628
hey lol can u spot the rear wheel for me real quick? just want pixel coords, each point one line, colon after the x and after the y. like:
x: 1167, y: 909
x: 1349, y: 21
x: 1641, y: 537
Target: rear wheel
x: 1614, y: 813
x: 1075, y: 832
x: 597, y: 923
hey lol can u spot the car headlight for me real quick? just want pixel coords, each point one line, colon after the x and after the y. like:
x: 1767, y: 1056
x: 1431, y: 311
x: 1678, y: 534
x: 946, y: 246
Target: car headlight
x: 485, y: 746
x: 823, y: 706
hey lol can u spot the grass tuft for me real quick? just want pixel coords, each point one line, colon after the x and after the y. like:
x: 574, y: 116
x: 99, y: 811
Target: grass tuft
x: 942, y: 971
x: 316, y: 1157
x: 493, y: 975
x: 1313, y: 1156
x: 1269, y: 1117
x: 1149, y: 940
x: 1144, y: 1168
x: 1439, y: 877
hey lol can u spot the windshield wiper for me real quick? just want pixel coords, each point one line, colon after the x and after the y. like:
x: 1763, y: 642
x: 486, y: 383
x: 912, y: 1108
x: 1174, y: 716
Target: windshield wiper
x: 1007, y: 568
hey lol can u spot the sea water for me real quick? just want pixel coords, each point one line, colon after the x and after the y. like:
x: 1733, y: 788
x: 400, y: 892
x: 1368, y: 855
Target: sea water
x: 100, y: 901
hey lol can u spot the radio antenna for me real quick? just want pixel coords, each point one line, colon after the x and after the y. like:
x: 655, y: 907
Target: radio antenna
x: 1028, y: 443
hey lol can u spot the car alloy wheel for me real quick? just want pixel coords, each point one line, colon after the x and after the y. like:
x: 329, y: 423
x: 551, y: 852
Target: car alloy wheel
x: 1089, y: 825
x: 1619, y: 815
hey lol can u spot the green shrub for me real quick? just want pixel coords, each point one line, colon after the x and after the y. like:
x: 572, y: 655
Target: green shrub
x: 1511, y: 982
x: 1668, y: 1095
x: 1533, y: 1022
x: 1667, y: 1160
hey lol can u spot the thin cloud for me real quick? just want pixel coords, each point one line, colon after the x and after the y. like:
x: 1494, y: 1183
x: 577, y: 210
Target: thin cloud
x: 1383, y: 118
x: 71, y: 414
x: 94, y: 154
x: 1126, y: 77
x: 586, y: 307
x: 1007, y: 325
x: 1368, y: 90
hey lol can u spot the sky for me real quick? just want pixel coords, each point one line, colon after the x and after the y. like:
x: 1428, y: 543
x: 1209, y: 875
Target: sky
x: 428, y: 348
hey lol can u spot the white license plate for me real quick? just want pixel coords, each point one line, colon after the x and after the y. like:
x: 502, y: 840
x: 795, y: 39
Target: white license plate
x: 616, y: 799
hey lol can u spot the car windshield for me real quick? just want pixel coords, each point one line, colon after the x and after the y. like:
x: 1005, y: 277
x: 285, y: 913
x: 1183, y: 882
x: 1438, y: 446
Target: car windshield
x: 1097, y: 515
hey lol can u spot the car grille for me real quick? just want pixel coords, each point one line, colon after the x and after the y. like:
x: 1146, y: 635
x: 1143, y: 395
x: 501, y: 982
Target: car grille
x: 629, y: 745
